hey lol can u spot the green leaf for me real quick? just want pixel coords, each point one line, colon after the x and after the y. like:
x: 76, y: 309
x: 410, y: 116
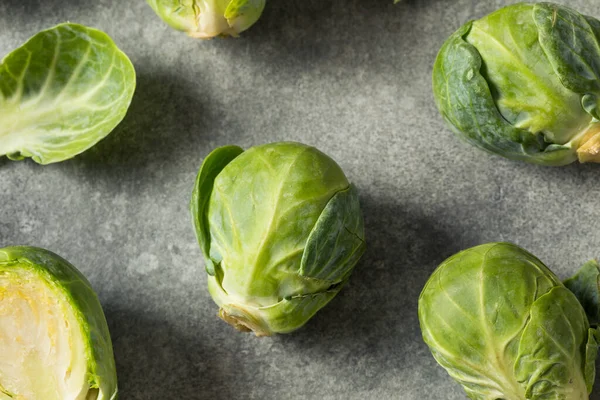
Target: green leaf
x: 336, y: 243
x: 465, y: 101
x: 585, y: 284
x: 591, y: 353
x: 179, y: 14
x: 552, y: 347
x: 212, y: 165
x: 571, y: 46
x: 62, y: 92
x: 235, y: 8
x: 242, y: 14
x: 293, y: 312
x: 285, y: 316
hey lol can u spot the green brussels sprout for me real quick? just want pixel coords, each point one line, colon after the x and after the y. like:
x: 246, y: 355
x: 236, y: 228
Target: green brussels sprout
x: 206, y: 19
x: 54, y: 339
x: 281, y: 230
x: 505, y: 327
x: 61, y: 92
x: 524, y: 83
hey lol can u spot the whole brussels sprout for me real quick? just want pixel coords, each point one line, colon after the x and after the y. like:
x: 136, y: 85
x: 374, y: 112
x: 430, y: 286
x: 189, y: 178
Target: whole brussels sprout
x: 54, y: 340
x: 280, y: 229
x: 206, y: 19
x: 524, y: 82
x: 505, y: 327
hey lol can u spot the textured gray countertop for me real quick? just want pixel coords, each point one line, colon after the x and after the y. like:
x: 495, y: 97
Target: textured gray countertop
x: 349, y: 76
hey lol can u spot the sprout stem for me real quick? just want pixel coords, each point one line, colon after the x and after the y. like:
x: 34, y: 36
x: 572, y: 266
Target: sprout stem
x: 242, y: 320
x: 589, y: 150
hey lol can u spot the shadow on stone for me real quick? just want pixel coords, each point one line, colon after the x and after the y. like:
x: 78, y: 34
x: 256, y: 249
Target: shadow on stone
x: 155, y: 361
x: 373, y: 321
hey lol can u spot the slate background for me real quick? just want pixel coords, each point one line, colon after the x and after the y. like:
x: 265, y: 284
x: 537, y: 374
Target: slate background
x: 349, y: 76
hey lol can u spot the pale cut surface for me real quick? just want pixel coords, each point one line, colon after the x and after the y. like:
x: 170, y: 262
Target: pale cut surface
x: 41, y: 343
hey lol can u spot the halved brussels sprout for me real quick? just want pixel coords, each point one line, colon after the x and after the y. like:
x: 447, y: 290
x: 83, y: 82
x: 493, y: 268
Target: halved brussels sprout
x: 281, y: 230
x: 61, y: 92
x: 505, y: 327
x: 524, y: 82
x: 206, y: 19
x: 54, y: 341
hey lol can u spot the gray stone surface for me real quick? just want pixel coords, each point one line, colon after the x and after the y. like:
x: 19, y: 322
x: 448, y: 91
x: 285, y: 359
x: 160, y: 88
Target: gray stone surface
x: 349, y: 76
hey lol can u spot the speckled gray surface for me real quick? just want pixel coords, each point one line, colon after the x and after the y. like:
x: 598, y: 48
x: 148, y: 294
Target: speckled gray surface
x: 353, y: 78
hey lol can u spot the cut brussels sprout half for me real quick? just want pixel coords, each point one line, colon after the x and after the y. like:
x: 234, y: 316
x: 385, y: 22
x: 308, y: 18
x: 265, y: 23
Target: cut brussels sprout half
x: 505, y: 327
x: 206, y: 19
x: 524, y: 83
x: 281, y: 230
x: 54, y: 340
x: 61, y: 92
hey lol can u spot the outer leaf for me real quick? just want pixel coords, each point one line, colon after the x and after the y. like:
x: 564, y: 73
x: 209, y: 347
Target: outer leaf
x: 552, y: 348
x: 571, y: 46
x: 591, y: 353
x: 101, y: 364
x: 585, y: 284
x: 283, y: 317
x: 466, y: 103
x: 212, y: 165
x: 242, y: 14
x: 179, y: 14
x: 336, y: 243
x: 61, y: 92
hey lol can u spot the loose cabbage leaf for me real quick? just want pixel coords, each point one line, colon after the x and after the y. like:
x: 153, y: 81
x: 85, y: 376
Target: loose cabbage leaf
x: 61, y: 92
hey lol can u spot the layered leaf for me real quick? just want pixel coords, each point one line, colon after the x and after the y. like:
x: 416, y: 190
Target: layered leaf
x: 284, y: 233
x: 62, y: 92
x: 337, y: 241
x: 212, y: 165
x: 72, y: 290
x: 179, y: 14
x: 552, y: 349
x: 206, y: 19
x: 263, y: 207
x: 571, y: 45
x: 465, y: 101
x: 523, y: 82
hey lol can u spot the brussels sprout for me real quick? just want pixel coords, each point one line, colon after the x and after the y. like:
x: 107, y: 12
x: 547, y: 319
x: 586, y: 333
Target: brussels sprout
x: 206, y: 19
x: 54, y: 340
x: 281, y: 230
x: 524, y: 82
x: 62, y: 92
x: 505, y: 327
